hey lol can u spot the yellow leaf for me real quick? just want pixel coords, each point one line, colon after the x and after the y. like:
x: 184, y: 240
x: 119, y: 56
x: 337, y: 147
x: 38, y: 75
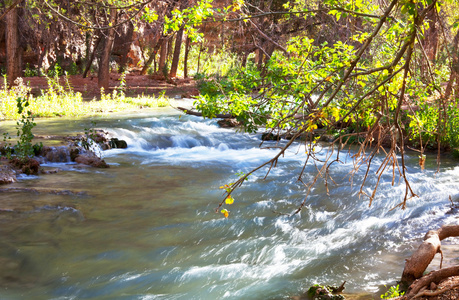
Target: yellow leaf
x: 225, y: 213
x: 229, y: 200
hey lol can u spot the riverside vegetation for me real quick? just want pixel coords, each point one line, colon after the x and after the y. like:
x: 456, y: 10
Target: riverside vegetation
x: 60, y: 100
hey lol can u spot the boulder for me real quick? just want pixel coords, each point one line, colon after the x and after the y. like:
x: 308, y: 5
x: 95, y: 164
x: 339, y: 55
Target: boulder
x: 319, y: 292
x: 56, y: 154
x: 116, y: 143
x: 74, y: 152
x: 228, y: 123
x: 28, y: 166
x: 267, y: 136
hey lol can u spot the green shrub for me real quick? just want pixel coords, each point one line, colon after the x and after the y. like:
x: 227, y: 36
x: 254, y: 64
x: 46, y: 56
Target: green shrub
x: 426, y: 124
x: 393, y: 292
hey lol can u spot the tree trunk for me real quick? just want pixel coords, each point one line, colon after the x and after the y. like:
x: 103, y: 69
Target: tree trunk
x: 169, y: 48
x: 201, y: 49
x: 195, y: 113
x: 148, y: 62
x: 420, y: 260
x: 13, y: 51
x: 176, y: 57
x: 126, y: 48
x: 244, y: 60
x: 162, y: 55
x: 430, y: 42
x: 104, y: 64
x: 91, y: 59
x: 260, y: 59
x: 185, y: 60
x: 454, y: 68
x: 41, y: 58
x: 152, y: 58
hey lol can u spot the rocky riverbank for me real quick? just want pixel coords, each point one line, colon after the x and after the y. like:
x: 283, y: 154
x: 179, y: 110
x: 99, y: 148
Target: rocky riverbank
x: 80, y: 149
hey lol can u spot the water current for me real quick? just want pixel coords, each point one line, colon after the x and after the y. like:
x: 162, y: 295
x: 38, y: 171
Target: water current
x: 146, y: 228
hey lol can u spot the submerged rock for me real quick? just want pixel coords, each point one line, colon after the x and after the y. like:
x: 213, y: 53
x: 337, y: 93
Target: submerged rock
x: 12, y: 263
x: 7, y: 175
x: 91, y: 160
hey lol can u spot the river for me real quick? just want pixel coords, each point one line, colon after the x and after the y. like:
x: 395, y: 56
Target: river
x: 146, y: 228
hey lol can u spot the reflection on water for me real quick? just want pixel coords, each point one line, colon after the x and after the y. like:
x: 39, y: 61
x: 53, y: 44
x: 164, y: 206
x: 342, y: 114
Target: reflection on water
x: 147, y: 229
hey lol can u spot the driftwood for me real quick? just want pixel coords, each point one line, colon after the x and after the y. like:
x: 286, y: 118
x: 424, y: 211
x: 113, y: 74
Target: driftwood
x: 420, y: 260
x: 229, y: 116
x: 416, y: 289
x: 194, y: 113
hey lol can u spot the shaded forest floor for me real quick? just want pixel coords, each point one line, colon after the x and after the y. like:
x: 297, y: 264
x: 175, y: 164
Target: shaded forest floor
x: 147, y: 85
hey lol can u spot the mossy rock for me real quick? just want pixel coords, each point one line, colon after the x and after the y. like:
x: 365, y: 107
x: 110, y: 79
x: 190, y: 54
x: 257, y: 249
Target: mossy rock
x: 319, y: 292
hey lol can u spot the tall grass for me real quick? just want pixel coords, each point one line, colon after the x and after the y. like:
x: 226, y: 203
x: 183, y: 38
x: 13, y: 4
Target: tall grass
x: 59, y: 100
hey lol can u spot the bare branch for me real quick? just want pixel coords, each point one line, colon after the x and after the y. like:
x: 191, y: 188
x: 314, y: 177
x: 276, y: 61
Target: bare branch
x: 10, y: 8
x: 97, y: 27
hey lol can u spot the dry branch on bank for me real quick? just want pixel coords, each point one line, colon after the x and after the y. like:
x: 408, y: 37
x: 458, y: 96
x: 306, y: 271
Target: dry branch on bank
x: 194, y: 113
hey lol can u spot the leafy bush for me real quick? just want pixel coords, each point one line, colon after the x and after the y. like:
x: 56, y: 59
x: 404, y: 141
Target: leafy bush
x: 427, y: 124
x: 29, y: 71
x: 393, y: 292
x: 24, y: 148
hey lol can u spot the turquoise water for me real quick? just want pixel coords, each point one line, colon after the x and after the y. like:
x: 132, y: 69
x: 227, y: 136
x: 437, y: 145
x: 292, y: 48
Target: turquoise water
x: 146, y: 228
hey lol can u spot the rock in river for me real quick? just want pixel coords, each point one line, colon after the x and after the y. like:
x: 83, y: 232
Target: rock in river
x: 7, y: 174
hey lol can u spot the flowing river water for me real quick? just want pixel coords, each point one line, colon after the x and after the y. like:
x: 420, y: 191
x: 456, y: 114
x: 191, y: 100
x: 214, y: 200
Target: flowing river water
x: 146, y: 228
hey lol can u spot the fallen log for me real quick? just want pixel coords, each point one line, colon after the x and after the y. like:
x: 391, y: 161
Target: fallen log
x: 195, y: 113
x: 420, y: 260
x: 415, y: 290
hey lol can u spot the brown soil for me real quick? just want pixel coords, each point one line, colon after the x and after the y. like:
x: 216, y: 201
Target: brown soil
x: 135, y: 85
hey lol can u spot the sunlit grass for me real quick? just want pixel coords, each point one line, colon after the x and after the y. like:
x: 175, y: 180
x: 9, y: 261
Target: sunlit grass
x: 60, y: 101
